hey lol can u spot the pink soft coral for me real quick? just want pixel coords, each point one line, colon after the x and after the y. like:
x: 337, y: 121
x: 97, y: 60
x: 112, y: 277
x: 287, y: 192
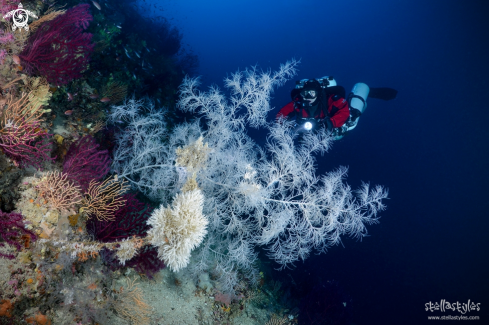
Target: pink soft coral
x: 8, y: 5
x: 6, y: 37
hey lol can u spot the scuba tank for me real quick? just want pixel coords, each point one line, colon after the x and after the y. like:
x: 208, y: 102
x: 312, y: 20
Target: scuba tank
x: 357, y: 101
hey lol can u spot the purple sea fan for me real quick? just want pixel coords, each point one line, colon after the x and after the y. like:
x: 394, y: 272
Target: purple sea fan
x: 59, y: 49
x: 28, y: 153
x: 83, y: 162
x: 12, y: 229
x: 129, y: 221
x: 147, y: 262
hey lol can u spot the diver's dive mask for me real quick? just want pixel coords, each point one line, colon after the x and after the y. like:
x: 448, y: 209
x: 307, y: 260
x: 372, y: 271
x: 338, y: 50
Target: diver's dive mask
x: 309, y: 94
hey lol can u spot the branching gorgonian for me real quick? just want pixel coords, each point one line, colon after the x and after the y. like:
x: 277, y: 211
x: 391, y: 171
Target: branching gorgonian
x: 253, y: 196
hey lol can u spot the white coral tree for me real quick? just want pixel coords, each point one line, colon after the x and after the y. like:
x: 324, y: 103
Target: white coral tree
x: 253, y: 196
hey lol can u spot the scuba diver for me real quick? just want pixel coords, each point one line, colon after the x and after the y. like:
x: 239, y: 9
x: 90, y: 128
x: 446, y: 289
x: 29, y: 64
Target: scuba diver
x: 321, y: 102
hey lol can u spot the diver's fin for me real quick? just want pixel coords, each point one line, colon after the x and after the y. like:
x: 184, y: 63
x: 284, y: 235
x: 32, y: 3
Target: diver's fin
x: 382, y: 93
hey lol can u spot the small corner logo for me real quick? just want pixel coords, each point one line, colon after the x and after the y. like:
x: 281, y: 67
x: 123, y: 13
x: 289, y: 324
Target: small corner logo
x: 20, y: 16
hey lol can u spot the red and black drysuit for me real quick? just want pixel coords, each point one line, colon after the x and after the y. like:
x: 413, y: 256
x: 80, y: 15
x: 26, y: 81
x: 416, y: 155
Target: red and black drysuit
x: 330, y: 105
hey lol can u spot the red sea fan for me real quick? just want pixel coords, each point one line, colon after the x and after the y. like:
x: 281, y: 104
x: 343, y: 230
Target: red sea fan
x: 84, y: 162
x: 12, y: 230
x: 147, y: 262
x: 29, y: 153
x: 130, y: 220
x: 59, y: 49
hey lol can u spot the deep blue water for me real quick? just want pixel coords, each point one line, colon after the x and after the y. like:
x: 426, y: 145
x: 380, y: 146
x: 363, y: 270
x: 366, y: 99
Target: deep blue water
x: 429, y: 146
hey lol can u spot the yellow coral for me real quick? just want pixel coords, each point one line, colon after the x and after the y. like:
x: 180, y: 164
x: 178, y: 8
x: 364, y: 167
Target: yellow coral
x: 38, y: 88
x: 59, y: 139
x: 130, y: 304
x: 58, y: 191
x: 190, y: 185
x: 73, y: 219
x: 104, y: 199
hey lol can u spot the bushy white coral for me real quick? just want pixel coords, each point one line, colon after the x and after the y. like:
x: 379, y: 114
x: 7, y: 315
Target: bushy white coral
x: 267, y: 196
x: 126, y: 251
x: 178, y: 229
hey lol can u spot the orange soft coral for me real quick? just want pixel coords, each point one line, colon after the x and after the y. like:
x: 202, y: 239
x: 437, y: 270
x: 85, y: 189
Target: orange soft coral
x: 6, y: 308
x: 39, y: 319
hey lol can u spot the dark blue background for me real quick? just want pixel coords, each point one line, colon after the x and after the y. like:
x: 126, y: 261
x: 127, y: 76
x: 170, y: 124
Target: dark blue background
x: 429, y: 146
